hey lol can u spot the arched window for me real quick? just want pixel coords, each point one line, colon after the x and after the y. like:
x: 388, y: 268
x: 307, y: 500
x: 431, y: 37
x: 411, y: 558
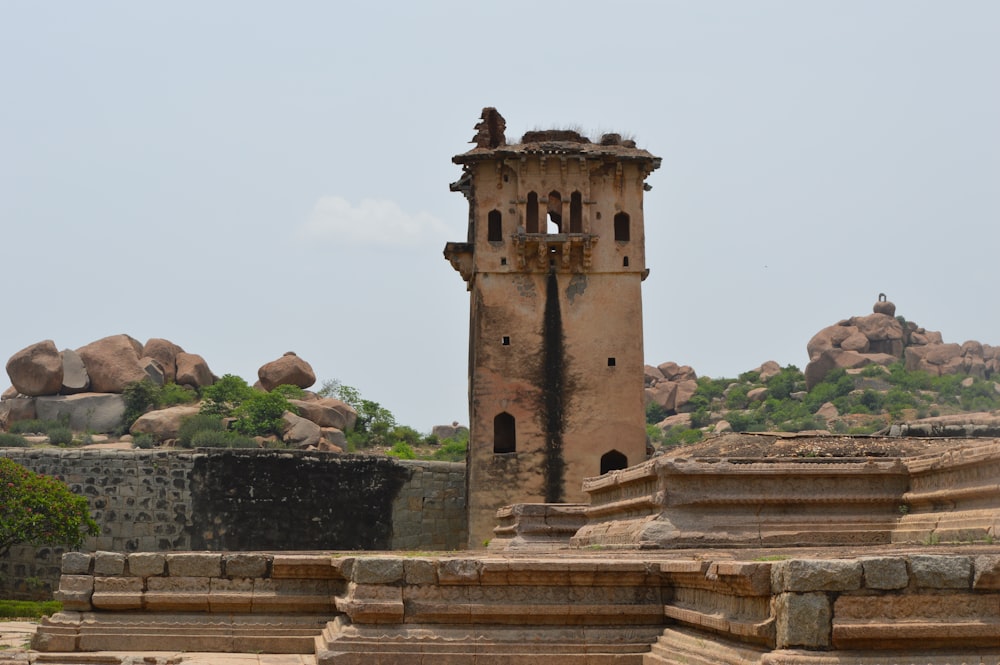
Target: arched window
x: 494, y: 231
x: 612, y: 460
x: 531, y: 214
x: 621, y: 227
x: 555, y: 213
x: 576, y: 213
x: 504, y: 436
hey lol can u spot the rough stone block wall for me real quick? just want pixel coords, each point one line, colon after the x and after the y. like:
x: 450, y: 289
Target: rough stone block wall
x: 239, y: 500
x: 429, y: 509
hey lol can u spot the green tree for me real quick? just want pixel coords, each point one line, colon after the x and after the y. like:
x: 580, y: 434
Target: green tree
x: 785, y: 382
x: 141, y: 396
x: 375, y: 425
x: 261, y: 414
x: 39, y: 510
x: 225, y: 395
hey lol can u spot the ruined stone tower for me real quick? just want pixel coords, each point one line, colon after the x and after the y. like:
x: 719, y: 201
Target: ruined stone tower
x: 554, y: 262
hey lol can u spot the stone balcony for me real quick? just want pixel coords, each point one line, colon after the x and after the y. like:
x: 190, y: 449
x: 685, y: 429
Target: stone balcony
x: 566, y: 252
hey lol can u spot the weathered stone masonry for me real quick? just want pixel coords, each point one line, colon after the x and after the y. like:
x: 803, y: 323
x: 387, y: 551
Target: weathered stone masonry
x: 159, y: 501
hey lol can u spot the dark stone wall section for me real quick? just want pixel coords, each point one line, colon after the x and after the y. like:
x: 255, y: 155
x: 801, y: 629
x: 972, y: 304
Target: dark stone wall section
x: 274, y: 500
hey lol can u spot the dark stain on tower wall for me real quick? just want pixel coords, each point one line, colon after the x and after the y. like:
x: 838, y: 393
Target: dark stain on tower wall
x: 554, y: 393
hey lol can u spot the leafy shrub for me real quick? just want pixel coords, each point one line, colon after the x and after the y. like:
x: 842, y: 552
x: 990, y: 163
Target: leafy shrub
x: 874, y: 372
x: 39, y: 510
x: 201, y: 422
x: 749, y: 377
x: 712, y: 388
x: 36, y: 426
x: 216, y: 439
x: 800, y: 424
x: 451, y: 451
x: 260, y: 414
x: 896, y: 399
x: 139, y: 396
x: 143, y: 441
x: 700, y: 418
x: 678, y: 436
x: 836, y: 384
x: 872, y: 400
x: 737, y: 397
x: 402, y: 450
x: 785, y: 382
x: 12, y: 440
x: 747, y: 421
x: 171, y: 394
x: 225, y: 395
x: 289, y: 391
x: 655, y: 413
x: 60, y: 436
x: 406, y: 434
x: 375, y: 423
x: 143, y: 396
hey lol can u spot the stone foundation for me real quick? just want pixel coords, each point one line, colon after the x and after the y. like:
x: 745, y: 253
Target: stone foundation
x: 665, y: 608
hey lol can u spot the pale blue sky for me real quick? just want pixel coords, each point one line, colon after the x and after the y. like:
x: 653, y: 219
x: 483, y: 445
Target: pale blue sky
x: 248, y: 178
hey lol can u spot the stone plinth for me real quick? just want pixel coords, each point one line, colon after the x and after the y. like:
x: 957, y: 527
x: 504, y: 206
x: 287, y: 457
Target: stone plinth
x: 537, y: 526
x: 673, y: 503
x: 954, y: 496
x: 194, y: 601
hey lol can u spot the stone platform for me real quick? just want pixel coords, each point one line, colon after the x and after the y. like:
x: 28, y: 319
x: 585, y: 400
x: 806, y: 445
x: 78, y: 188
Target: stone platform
x: 804, y: 606
x: 676, y: 502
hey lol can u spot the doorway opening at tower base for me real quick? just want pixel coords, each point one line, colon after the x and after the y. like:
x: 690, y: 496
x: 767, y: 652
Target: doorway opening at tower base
x: 613, y: 460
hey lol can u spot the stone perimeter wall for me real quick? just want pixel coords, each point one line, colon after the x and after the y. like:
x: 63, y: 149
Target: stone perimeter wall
x: 240, y: 500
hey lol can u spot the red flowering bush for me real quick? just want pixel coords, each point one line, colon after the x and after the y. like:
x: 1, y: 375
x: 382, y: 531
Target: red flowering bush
x: 39, y: 510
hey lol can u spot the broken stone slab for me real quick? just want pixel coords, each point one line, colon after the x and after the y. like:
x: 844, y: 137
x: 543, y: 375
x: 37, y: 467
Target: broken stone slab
x: 146, y: 564
x: 245, y: 564
x: 377, y: 570
x: 987, y: 573
x: 76, y: 563
x: 816, y: 575
x: 109, y: 563
x: 75, y: 592
x: 802, y: 620
x: 195, y: 564
x: 941, y: 572
x: 885, y: 572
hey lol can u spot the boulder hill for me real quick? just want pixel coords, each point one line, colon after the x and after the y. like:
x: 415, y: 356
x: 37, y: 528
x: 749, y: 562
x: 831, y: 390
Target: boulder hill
x: 880, y: 338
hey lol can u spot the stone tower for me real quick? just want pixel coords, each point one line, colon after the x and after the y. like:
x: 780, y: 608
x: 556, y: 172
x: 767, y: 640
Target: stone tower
x: 554, y: 261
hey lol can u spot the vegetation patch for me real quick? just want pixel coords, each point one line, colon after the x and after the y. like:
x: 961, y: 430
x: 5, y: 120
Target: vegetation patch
x: 27, y: 609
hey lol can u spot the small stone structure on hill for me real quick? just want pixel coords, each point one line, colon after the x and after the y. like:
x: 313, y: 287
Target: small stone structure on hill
x: 882, y: 339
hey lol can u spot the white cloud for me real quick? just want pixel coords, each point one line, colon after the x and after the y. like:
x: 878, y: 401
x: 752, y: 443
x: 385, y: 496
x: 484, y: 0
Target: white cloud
x: 371, y: 222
